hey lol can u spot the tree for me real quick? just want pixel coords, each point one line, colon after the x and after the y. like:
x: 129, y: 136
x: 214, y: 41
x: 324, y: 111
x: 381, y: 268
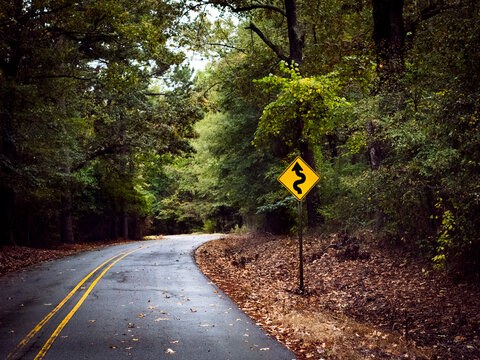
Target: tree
x: 72, y: 75
x: 296, y: 41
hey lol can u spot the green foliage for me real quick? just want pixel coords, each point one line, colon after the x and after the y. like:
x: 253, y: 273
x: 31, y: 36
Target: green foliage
x: 346, y: 194
x: 310, y: 107
x: 209, y: 226
x: 76, y: 117
x: 427, y: 128
x: 79, y: 117
x: 444, y: 241
x: 237, y: 230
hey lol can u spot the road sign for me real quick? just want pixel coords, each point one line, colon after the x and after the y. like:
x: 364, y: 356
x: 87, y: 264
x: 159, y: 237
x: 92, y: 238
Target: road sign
x: 299, y: 178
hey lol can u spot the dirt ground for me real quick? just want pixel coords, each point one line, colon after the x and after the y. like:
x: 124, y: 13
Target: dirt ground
x: 361, y: 300
x: 13, y: 258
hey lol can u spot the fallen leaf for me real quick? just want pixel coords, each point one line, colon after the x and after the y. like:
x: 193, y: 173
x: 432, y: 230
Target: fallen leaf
x: 170, y: 351
x: 265, y: 349
x: 161, y: 319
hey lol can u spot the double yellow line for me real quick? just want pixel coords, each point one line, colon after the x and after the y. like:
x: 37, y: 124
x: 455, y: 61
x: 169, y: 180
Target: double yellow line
x: 60, y: 327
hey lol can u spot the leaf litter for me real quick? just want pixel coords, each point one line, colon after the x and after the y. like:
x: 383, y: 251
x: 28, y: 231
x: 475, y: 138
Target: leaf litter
x: 363, y: 300
x: 13, y: 258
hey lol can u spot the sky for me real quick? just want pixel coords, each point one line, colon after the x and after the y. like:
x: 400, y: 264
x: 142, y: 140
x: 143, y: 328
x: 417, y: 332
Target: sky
x: 198, y: 61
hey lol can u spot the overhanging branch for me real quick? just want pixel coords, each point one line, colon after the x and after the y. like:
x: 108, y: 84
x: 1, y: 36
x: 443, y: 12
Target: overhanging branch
x: 271, y: 45
x: 227, y: 46
x: 60, y: 76
x: 258, y: 6
x: 431, y: 11
x: 158, y: 94
x: 111, y: 149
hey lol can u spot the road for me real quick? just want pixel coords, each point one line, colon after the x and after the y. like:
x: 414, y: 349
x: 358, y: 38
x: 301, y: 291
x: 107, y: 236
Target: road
x: 143, y: 300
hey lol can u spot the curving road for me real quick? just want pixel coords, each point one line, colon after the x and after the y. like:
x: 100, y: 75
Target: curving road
x: 144, y: 300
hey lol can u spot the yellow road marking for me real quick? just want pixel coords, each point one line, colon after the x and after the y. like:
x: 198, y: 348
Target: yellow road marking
x: 60, y: 327
x: 37, y: 328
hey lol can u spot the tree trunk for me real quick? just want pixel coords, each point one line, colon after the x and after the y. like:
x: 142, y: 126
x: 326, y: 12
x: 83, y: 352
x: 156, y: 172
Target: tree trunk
x: 296, y: 37
x: 125, y: 225
x: 114, y: 229
x: 67, y: 218
x: 312, y: 197
x: 389, y: 36
x: 66, y: 197
x: 296, y: 40
x: 8, y: 165
x: 7, y: 208
x: 375, y: 149
x: 124, y: 167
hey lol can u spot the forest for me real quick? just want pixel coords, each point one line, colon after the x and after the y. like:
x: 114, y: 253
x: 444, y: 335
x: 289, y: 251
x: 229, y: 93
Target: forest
x: 107, y: 130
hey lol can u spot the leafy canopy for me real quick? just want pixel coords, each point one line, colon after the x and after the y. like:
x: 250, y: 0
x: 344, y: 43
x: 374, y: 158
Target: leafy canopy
x: 303, y: 108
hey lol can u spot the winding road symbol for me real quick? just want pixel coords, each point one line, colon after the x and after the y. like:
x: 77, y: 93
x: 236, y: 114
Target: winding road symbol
x: 298, y: 171
x: 296, y: 174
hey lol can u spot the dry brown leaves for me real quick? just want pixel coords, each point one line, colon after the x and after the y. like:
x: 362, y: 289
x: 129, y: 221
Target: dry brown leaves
x: 13, y: 258
x: 361, y: 302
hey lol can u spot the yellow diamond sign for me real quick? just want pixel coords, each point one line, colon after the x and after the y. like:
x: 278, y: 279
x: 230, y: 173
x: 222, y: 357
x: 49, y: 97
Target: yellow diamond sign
x: 299, y: 178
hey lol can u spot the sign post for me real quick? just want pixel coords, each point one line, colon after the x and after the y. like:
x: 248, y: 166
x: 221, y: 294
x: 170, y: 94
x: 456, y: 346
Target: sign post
x: 299, y: 178
x: 300, y: 246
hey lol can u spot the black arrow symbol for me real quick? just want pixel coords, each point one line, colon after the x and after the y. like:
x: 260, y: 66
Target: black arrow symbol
x: 298, y: 171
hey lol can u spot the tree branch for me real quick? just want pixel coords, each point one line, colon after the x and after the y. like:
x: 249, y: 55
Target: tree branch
x: 158, y: 94
x: 254, y: 7
x: 429, y: 12
x: 33, y: 14
x: 228, y: 46
x: 208, y: 89
x: 111, y: 149
x: 271, y: 45
x: 59, y: 77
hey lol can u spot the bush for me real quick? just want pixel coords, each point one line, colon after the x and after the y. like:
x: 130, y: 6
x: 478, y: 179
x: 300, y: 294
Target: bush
x: 209, y: 226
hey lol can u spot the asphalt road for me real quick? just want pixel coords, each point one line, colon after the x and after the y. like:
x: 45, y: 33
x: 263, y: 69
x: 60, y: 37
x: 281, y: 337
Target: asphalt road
x: 146, y: 300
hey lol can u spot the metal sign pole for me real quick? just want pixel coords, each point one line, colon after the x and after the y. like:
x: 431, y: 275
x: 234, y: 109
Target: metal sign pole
x: 299, y: 178
x: 300, y: 245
